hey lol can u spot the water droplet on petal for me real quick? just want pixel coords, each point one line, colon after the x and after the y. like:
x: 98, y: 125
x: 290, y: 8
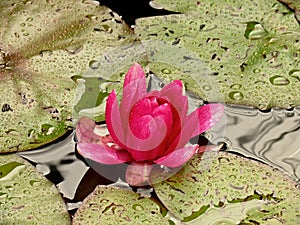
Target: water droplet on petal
x: 236, y: 95
x: 279, y: 80
x: 255, y: 30
x: 295, y: 73
x: 94, y: 64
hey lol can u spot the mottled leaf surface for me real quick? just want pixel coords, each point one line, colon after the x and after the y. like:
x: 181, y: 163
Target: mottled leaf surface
x: 27, y: 197
x: 216, y: 188
x: 250, y: 47
x: 295, y: 5
x: 111, y: 205
x: 42, y: 45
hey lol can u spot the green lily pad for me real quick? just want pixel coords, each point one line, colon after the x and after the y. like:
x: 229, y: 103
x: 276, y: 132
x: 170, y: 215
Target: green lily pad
x: 26, y: 197
x: 251, y: 48
x: 295, y: 5
x: 112, y: 205
x: 43, y: 44
x: 223, y: 188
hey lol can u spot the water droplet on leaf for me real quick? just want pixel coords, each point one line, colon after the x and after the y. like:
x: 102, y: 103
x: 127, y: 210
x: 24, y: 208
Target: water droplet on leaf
x: 256, y: 70
x: 259, y: 82
x: 279, y: 80
x: 137, y: 207
x: 254, y: 31
x: 236, y: 95
x: 295, y: 73
x: 46, y: 53
x: 166, y: 71
x: 29, y: 19
x: 236, y: 86
x: 94, y: 64
x: 47, y: 129
x: 206, y: 88
x: 91, y: 17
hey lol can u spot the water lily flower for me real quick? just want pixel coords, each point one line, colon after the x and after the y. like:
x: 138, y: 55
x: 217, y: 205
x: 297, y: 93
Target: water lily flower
x: 146, y: 129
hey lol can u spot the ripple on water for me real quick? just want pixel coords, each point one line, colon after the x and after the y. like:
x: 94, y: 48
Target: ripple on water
x: 272, y: 136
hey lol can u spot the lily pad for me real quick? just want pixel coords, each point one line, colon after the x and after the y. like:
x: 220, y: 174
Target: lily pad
x: 295, y: 5
x: 43, y: 44
x: 112, y: 205
x: 219, y: 188
x: 251, y: 48
x: 27, y: 197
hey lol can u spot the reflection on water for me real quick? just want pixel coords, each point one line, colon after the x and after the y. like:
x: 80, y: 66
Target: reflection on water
x: 272, y: 137
x: 59, y: 164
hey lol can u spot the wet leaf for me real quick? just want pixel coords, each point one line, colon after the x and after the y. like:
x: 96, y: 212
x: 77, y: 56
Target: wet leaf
x: 295, y: 5
x: 111, y: 205
x: 250, y: 48
x: 43, y: 44
x: 219, y: 187
x: 26, y: 197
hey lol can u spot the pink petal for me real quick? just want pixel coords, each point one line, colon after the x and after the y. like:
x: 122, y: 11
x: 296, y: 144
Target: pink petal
x: 134, y: 89
x: 177, y: 157
x: 113, y: 120
x: 138, y: 174
x: 142, y: 113
x: 173, y: 93
x: 198, y: 122
x: 205, y: 117
x: 134, y: 74
x: 85, y: 130
x: 158, y: 131
x: 140, y: 117
x: 103, y: 154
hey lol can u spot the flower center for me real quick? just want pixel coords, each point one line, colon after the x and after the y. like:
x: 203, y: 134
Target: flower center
x: 143, y: 116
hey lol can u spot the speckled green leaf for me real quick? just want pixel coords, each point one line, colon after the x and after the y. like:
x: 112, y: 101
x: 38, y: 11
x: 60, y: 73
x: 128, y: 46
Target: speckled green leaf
x: 222, y: 188
x: 251, y: 48
x: 295, y: 5
x: 111, y: 205
x: 42, y: 45
x: 26, y: 197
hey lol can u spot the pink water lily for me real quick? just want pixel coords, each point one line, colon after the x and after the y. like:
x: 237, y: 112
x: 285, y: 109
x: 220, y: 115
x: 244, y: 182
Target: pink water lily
x: 146, y: 129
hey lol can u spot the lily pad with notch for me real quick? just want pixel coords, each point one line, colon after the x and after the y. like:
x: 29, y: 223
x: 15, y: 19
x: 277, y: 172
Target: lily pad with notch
x: 43, y: 44
x: 27, y: 197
